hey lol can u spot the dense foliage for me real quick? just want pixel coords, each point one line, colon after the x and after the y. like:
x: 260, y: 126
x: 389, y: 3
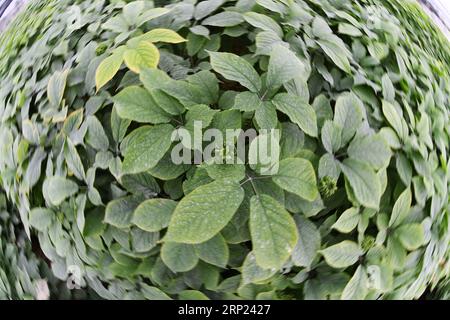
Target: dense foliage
x: 92, y: 91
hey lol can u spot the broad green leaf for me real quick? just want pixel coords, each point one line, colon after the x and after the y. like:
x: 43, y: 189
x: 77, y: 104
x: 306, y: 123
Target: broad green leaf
x: 204, y: 8
x: 348, y: 115
x: 342, y: 255
x: 107, y: 70
x: 96, y: 135
x: 297, y: 176
x: 394, y: 119
x: 388, y: 88
x: 266, y: 116
x: 264, y: 153
x: 153, y: 293
x: 145, y: 55
x: 299, y: 111
x: 41, y: 218
x: 150, y: 15
x: 140, y: 184
x: 284, y: 66
x: 214, y: 251
x: 247, y: 101
x: 401, y: 208
x: 201, y: 214
x: 233, y: 172
x: 224, y: 19
x: 146, y: 148
x: 166, y: 169
x: 179, y: 257
x: 167, y: 103
x: 162, y: 35
x: 273, y: 231
x: 235, y: 68
x: 411, y: 236
x: 357, y: 287
x: 119, y: 212
x: 56, y: 86
x: 73, y: 160
x: 57, y: 189
x: 308, y: 242
x: 331, y: 136
x: 364, y: 182
x: 252, y: 272
x: 154, y: 214
x: 131, y: 11
x: 154, y: 79
x: 336, y: 50
x: 263, y: 22
x: 119, y: 126
x: 371, y: 149
x: 320, y: 28
x: 137, y: 104
x: 192, y: 295
x: 347, y: 221
x: 207, y: 81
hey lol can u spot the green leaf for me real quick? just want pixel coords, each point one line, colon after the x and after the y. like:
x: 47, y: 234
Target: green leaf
x: 56, y: 86
x: 235, y: 68
x: 371, y: 149
x: 166, y: 102
x: 179, y: 257
x: 401, y: 208
x: 154, y: 214
x: 297, y: 176
x: 205, y: 8
x: 119, y: 126
x: 336, y: 50
x: 131, y: 11
x: 252, y: 272
x: 364, y: 182
x: 263, y: 22
x: 150, y: 15
x: 147, y: 146
x: 347, y: 221
x: 137, y: 104
x: 192, y: 295
x: 214, y: 251
x: 232, y: 172
x: 266, y: 116
x: 284, y: 66
x: 96, y: 136
x: 331, y: 136
x: 107, y: 70
x: 224, y: 19
x: 394, y: 119
x: 153, y: 293
x: 207, y: 81
x: 119, y: 212
x: 73, y: 160
x: 162, y: 35
x: 57, y: 189
x: 299, y: 111
x: 411, y: 236
x: 308, y: 242
x: 342, y: 255
x: 273, y: 231
x: 201, y: 214
x: 41, y: 218
x: 247, y: 101
x: 320, y: 28
x: 145, y: 55
x: 357, y: 287
x: 348, y: 115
